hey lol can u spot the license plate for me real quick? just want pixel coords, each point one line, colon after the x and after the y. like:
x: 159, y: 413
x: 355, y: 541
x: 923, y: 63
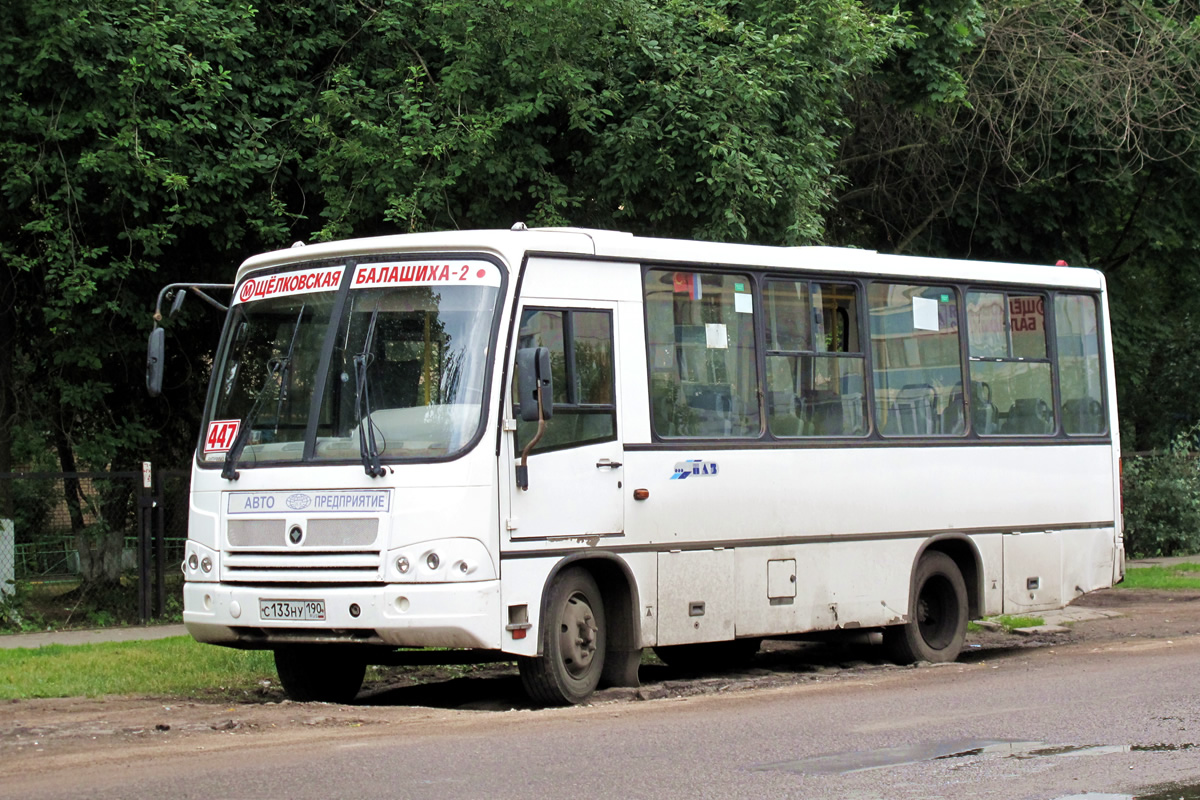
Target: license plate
x: 291, y: 609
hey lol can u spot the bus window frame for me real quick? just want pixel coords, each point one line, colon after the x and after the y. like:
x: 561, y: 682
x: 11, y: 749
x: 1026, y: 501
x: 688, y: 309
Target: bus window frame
x: 759, y: 275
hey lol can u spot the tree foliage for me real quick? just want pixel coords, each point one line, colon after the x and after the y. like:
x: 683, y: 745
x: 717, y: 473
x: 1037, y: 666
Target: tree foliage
x: 1075, y: 137
x: 710, y: 120
x: 1162, y: 500
x: 144, y: 142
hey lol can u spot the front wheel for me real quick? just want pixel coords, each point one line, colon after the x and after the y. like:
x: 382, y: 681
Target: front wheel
x: 319, y: 674
x: 937, y: 614
x: 573, y: 640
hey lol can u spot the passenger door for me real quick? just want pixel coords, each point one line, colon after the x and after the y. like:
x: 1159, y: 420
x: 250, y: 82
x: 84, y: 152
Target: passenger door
x: 575, y: 471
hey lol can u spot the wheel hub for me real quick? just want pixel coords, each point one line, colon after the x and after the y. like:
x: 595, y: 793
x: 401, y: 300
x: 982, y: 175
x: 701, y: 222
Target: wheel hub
x: 577, y: 637
x: 934, y: 619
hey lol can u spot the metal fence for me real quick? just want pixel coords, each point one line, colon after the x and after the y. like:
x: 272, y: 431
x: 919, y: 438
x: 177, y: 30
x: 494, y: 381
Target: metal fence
x: 91, y: 549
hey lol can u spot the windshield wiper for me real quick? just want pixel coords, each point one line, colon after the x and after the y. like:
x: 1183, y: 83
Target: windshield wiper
x: 368, y: 447
x: 275, y: 366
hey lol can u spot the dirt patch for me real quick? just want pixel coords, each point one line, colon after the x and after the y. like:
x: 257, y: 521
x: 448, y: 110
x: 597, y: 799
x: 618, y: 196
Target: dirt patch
x: 88, y: 728
x: 1145, y: 613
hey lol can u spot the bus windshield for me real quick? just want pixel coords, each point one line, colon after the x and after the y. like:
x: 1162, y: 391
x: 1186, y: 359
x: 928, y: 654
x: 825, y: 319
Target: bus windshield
x: 405, y: 379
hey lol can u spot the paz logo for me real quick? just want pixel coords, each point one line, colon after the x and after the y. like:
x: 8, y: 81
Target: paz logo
x: 694, y: 467
x: 298, y: 501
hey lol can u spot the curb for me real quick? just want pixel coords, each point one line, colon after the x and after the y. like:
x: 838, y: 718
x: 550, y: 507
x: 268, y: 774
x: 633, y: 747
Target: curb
x: 92, y: 636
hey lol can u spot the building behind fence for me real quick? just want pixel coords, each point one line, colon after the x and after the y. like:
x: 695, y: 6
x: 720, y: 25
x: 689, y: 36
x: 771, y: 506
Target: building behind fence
x: 90, y: 549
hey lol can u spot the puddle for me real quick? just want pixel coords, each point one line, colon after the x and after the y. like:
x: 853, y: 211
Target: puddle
x: 862, y: 760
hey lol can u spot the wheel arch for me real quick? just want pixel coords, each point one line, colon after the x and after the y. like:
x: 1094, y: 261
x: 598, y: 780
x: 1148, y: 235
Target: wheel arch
x: 619, y: 591
x: 965, y: 555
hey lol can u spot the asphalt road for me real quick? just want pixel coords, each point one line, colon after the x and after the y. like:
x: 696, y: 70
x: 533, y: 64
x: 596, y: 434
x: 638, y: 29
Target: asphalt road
x: 1121, y: 718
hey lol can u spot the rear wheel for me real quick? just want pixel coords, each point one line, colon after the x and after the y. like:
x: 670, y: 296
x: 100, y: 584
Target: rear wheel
x: 319, y: 674
x: 937, y: 614
x: 717, y: 656
x: 573, y: 640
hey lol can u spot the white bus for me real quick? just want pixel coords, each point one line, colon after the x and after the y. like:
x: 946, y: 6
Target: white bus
x: 732, y: 443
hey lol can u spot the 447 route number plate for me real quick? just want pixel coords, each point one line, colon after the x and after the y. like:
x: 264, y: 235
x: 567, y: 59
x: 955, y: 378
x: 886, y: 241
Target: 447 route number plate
x: 291, y: 609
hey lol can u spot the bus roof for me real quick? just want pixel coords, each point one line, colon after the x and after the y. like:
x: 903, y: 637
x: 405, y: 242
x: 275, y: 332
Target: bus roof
x: 513, y: 245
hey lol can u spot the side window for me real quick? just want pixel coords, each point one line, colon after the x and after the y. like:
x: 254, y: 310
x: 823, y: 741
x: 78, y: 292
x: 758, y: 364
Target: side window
x: 917, y: 363
x: 581, y: 362
x: 703, y: 374
x: 1077, y: 335
x: 1010, y: 370
x: 815, y: 381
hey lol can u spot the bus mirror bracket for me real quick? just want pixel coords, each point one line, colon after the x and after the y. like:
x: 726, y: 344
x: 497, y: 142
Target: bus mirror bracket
x: 156, y: 346
x: 536, y: 404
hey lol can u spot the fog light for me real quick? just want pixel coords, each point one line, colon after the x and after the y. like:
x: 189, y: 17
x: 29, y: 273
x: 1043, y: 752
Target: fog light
x: 355, y: 610
x: 206, y: 564
x: 402, y: 564
x: 433, y: 562
x: 462, y: 567
x: 193, y: 562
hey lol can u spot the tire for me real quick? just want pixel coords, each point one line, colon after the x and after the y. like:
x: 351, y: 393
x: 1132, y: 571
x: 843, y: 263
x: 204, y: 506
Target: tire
x: 319, y: 674
x: 937, y: 614
x: 573, y: 641
x: 715, y: 656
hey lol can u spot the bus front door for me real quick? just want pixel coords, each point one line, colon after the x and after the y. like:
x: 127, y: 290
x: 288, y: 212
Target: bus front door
x: 574, y: 470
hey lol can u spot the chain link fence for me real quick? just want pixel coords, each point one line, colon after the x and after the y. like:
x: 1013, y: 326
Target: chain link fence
x: 90, y: 549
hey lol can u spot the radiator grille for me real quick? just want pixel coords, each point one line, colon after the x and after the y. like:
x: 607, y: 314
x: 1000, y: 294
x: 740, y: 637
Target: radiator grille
x: 256, y: 532
x: 300, y: 565
x: 331, y: 550
x: 341, y: 532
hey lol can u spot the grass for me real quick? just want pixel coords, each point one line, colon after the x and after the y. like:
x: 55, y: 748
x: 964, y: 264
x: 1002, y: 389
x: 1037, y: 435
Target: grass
x: 177, y: 666
x: 1010, y: 622
x: 1178, y: 576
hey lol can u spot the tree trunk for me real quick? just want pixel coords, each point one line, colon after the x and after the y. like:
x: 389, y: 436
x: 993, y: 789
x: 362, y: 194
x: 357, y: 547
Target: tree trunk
x: 100, y: 556
x: 71, y: 491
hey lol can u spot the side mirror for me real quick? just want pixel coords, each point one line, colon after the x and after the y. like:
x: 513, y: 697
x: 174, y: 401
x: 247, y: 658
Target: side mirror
x: 533, y: 371
x: 154, y: 361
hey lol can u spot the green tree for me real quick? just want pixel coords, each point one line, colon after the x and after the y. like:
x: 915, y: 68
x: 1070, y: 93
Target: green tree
x: 143, y: 142
x: 714, y: 120
x: 1075, y: 138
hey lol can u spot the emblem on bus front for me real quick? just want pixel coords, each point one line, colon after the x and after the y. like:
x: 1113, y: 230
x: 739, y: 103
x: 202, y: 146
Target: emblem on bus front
x: 694, y: 466
x: 298, y: 501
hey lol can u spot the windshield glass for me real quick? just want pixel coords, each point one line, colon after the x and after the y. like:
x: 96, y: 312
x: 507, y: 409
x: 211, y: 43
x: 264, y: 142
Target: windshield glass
x: 410, y: 352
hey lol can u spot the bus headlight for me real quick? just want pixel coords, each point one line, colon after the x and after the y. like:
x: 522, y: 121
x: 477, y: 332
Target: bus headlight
x: 441, y: 561
x: 199, y: 563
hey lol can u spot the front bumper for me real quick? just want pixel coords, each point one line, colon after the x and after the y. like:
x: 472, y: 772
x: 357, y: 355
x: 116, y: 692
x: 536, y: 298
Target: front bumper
x: 464, y: 614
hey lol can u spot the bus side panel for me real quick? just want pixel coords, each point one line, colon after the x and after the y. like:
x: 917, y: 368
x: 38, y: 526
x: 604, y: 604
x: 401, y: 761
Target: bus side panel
x: 837, y: 585
x: 991, y: 553
x: 1033, y: 564
x: 1049, y: 569
x: 854, y: 519
x: 704, y: 498
x: 696, y: 598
